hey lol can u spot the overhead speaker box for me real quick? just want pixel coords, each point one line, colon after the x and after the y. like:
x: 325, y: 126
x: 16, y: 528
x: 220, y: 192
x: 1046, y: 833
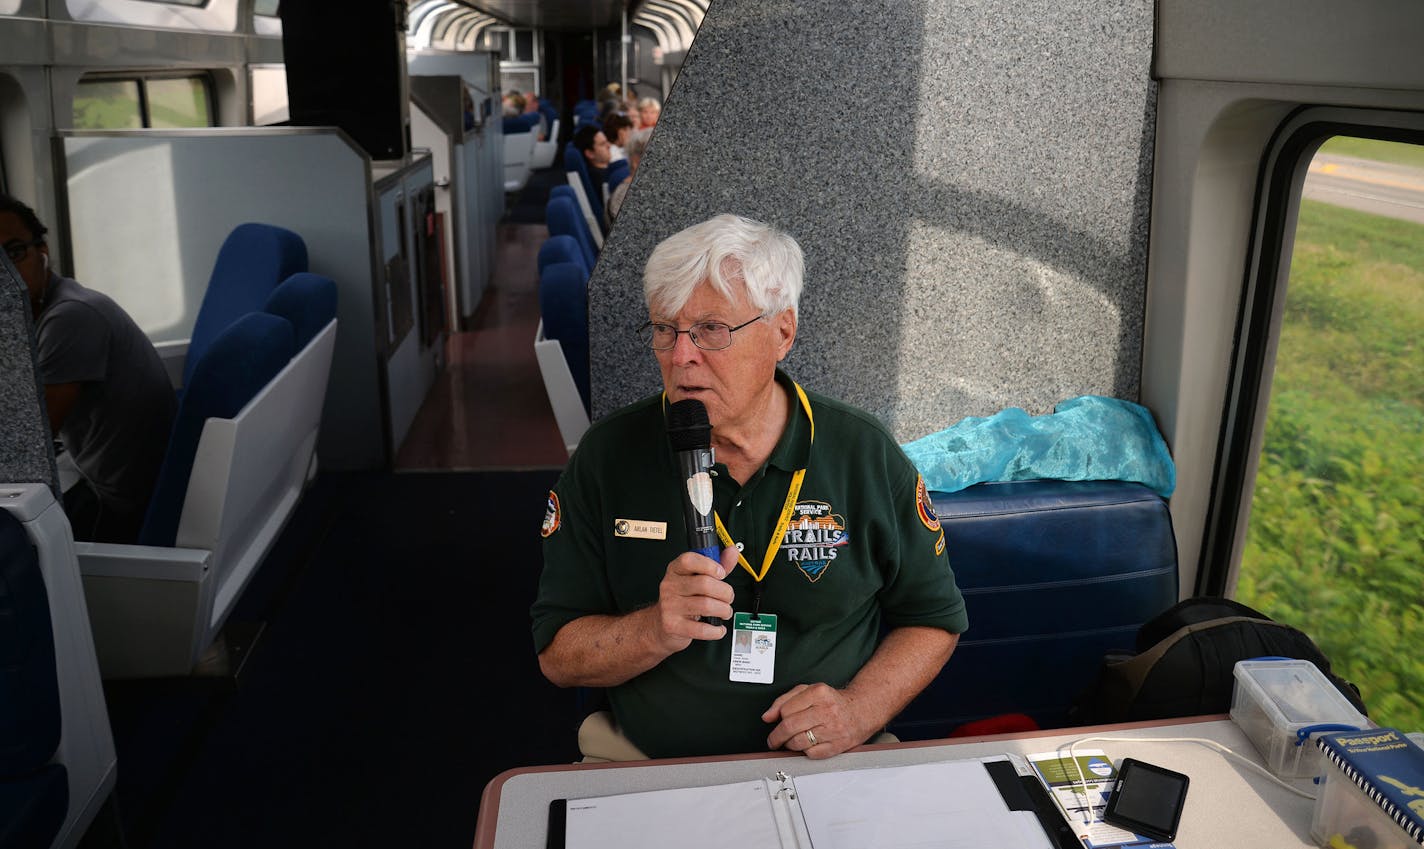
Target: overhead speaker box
x: 346, y: 68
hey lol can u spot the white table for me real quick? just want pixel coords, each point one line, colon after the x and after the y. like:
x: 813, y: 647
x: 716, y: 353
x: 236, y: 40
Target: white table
x: 1227, y: 806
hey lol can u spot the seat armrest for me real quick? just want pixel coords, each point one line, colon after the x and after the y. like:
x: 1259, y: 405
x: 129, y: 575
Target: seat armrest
x: 109, y: 560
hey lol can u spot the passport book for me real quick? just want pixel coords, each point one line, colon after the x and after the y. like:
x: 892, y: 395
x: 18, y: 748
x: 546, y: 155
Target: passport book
x: 1388, y: 767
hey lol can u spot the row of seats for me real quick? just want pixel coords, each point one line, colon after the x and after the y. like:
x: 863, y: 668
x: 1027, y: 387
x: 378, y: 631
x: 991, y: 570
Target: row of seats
x: 240, y: 453
x: 565, y: 263
x: 575, y: 215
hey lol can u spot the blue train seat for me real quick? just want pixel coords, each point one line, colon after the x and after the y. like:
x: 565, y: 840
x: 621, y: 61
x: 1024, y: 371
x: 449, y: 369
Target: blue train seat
x: 241, y: 452
x: 590, y: 199
x: 57, y: 761
x: 618, y: 171
x: 562, y: 218
x: 1055, y: 574
x: 34, y: 793
x: 519, y: 142
x: 563, y: 249
x: 585, y: 112
x: 563, y: 306
x: 561, y: 347
x: 252, y: 261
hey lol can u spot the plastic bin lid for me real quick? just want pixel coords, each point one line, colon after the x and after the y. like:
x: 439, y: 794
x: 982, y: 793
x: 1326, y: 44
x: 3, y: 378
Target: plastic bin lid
x: 1296, y: 692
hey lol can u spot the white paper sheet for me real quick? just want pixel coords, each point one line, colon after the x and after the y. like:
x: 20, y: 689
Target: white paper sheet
x: 726, y: 815
x: 951, y: 805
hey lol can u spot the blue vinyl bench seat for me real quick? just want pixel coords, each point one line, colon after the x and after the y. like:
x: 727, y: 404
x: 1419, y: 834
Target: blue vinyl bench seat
x: 1055, y: 574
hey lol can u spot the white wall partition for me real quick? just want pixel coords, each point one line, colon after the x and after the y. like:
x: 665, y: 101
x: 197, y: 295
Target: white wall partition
x: 149, y: 210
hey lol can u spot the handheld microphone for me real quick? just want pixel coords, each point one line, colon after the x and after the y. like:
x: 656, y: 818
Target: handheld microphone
x: 691, y: 436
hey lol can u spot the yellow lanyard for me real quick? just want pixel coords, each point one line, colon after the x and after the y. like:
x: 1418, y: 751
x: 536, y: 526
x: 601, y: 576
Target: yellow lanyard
x: 787, y: 508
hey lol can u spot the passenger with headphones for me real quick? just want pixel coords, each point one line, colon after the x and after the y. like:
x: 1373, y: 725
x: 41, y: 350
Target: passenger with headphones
x: 106, y: 390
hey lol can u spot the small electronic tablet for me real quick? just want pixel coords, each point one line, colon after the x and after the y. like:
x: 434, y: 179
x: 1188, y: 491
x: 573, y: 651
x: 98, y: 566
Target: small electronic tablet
x: 1147, y: 799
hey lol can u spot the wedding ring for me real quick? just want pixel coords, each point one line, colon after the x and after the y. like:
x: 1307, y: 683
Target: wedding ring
x: 810, y: 737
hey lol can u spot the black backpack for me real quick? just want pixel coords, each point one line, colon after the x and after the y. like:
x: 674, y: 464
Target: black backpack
x: 1184, y: 661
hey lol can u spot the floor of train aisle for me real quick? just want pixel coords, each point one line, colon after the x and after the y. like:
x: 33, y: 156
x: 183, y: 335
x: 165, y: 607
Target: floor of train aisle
x: 488, y: 409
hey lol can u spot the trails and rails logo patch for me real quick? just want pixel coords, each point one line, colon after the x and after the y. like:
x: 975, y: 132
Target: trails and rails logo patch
x: 813, y: 538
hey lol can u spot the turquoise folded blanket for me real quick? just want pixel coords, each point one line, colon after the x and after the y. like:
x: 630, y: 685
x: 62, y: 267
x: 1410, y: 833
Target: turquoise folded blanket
x: 1085, y: 438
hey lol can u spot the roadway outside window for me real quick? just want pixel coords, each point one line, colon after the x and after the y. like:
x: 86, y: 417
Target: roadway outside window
x: 1335, y: 544
x: 114, y: 104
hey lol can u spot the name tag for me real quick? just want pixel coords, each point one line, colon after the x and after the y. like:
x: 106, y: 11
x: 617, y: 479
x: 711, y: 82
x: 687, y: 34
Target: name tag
x: 639, y: 529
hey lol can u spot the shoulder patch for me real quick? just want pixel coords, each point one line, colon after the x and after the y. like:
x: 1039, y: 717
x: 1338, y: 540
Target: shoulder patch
x: 923, y: 506
x: 552, y: 516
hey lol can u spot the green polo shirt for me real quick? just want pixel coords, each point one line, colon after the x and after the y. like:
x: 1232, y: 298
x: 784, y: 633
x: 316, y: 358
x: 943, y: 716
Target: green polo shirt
x: 863, y: 551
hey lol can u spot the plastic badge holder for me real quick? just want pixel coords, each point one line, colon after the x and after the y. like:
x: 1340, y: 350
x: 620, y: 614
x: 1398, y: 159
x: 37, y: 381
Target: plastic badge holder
x: 1345, y: 816
x: 1280, y: 703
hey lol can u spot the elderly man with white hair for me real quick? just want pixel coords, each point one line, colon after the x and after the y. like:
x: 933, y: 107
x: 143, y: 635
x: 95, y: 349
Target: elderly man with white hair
x: 832, y: 557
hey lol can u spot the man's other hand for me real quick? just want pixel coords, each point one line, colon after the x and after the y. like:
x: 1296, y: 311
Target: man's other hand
x: 827, y: 713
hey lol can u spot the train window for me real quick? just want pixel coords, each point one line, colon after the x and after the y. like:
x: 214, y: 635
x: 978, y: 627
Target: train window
x: 269, y: 94
x: 1333, y: 543
x: 107, y: 103
x: 515, y: 45
x: 181, y: 2
x: 178, y: 102
x: 269, y: 8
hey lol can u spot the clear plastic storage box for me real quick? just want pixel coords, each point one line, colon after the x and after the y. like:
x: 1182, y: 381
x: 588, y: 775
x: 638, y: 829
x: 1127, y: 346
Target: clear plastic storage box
x: 1273, y: 699
x: 1345, y: 816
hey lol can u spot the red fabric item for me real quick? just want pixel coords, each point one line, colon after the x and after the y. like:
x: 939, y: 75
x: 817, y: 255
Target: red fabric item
x: 1005, y: 723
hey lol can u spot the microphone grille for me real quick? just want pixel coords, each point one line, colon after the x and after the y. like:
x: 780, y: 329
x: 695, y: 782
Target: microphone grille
x: 687, y: 425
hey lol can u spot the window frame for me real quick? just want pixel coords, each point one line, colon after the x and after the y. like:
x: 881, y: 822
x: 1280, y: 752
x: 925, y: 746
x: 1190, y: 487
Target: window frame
x: 1280, y: 185
x: 205, y: 78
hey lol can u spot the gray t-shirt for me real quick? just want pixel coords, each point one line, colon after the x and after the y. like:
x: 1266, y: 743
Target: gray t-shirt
x: 118, y: 430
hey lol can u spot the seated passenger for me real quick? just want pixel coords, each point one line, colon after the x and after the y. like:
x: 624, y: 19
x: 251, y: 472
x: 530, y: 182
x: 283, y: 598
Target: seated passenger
x: 106, y: 390
x: 513, y: 105
x: 636, y: 145
x: 648, y: 111
x: 859, y: 549
x: 590, y: 141
x: 531, y: 104
x: 617, y: 129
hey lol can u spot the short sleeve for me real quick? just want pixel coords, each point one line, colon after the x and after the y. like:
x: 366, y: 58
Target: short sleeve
x: 573, y: 583
x: 73, y: 344
x: 921, y: 589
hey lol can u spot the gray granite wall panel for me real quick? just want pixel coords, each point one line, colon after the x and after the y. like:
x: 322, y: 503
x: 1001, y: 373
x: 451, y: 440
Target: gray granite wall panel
x: 26, y: 450
x: 974, y: 240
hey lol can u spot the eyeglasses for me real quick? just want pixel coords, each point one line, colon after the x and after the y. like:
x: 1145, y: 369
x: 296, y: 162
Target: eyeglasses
x: 18, y: 250
x: 707, y: 335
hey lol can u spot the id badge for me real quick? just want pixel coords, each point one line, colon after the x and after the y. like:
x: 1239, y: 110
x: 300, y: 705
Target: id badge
x: 753, y: 648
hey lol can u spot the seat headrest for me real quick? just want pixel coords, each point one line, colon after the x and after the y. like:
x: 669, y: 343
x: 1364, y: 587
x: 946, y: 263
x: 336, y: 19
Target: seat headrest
x: 252, y: 261
x: 308, y: 301
x: 561, y: 249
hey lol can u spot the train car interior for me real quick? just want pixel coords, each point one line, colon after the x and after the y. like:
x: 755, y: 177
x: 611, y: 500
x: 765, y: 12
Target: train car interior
x: 1137, y: 286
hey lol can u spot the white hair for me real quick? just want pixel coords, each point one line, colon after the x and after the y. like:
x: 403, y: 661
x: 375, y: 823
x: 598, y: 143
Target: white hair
x: 724, y: 251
